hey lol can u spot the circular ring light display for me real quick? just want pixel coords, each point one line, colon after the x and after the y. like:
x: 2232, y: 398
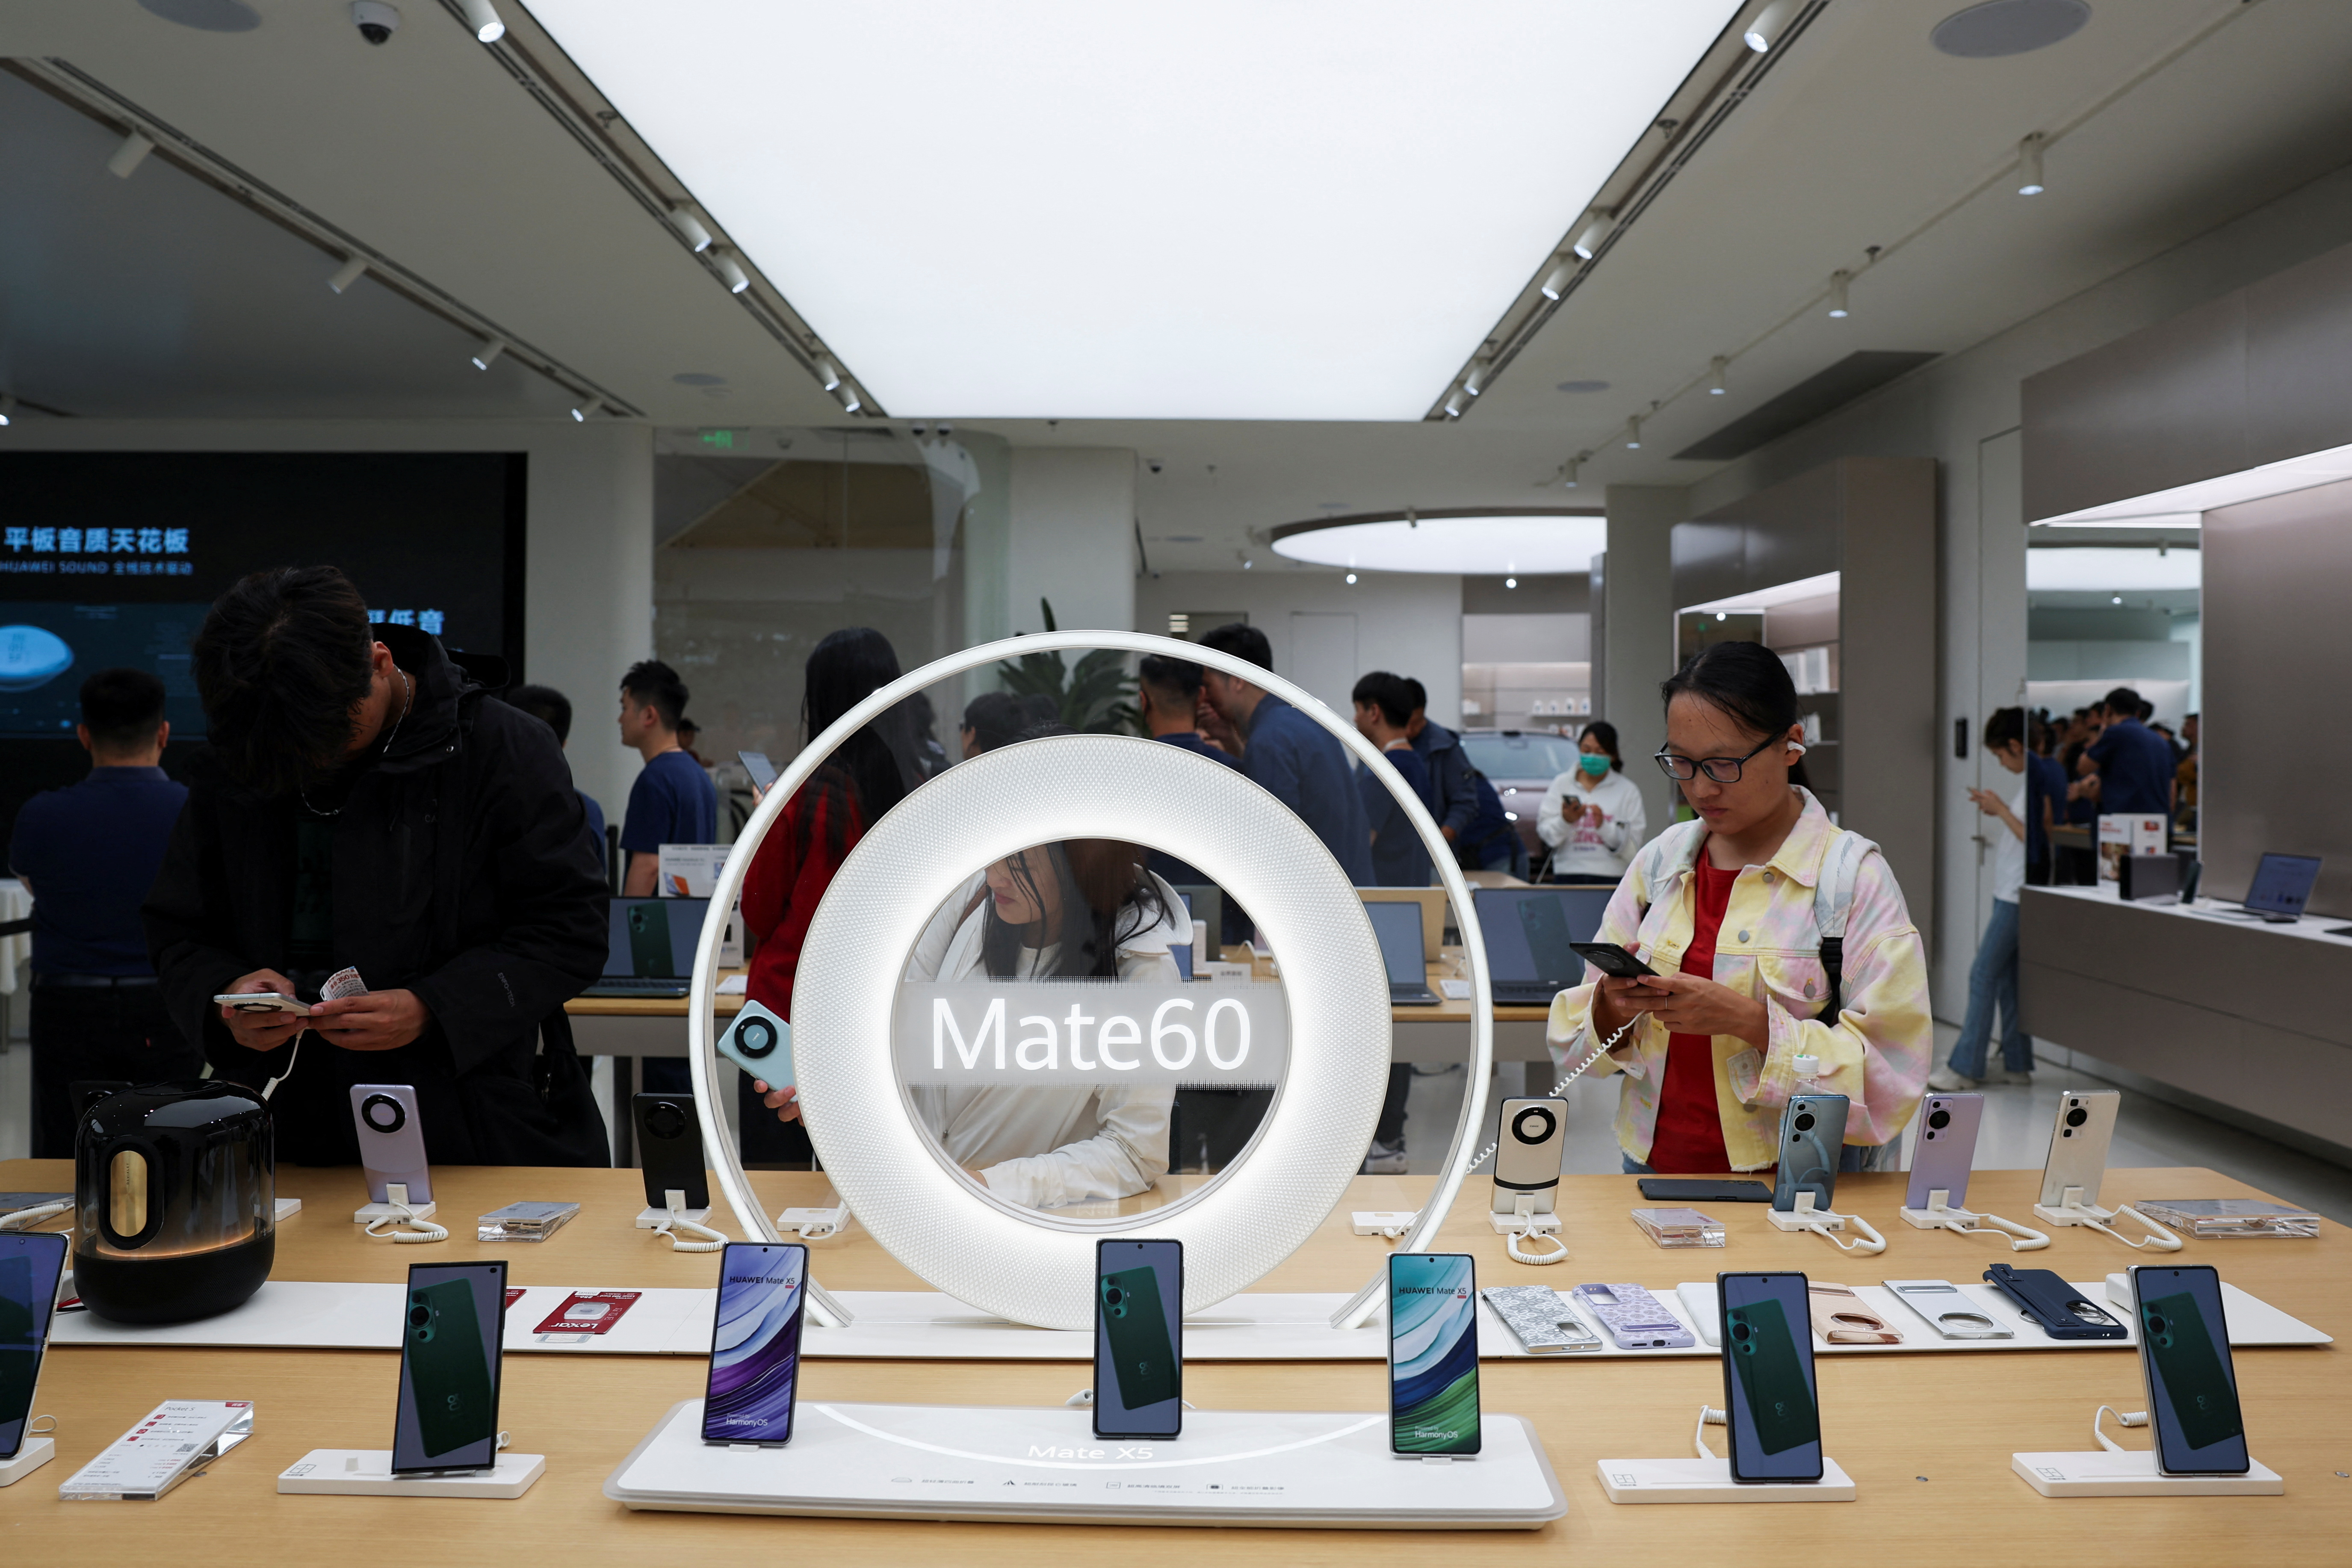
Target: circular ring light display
x: 1027, y: 1265
x: 1489, y: 542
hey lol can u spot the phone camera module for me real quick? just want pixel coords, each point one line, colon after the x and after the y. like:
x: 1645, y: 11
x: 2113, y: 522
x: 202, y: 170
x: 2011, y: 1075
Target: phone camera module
x: 2077, y: 1116
x: 665, y: 1119
x: 1804, y: 1121
x: 383, y: 1113
x: 418, y: 1316
x: 1534, y: 1125
x: 755, y: 1038
x: 1939, y: 1119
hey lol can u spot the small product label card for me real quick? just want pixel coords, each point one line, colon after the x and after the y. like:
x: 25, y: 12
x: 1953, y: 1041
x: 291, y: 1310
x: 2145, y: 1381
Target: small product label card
x: 514, y: 1294
x: 583, y: 1313
x: 156, y: 1455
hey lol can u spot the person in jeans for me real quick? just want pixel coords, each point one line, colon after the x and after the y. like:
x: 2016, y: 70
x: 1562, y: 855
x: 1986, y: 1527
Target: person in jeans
x: 1992, y: 978
x: 86, y: 854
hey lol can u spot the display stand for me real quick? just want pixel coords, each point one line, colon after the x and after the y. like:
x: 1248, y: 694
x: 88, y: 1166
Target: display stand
x: 1828, y: 1222
x: 814, y: 1224
x: 1521, y: 1224
x: 675, y: 1216
x: 2113, y: 1471
x: 2071, y: 1210
x: 397, y: 1210
x: 1939, y: 1215
x: 1707, y: 1478
x: 367, y: 1472
x: 36, y: 1452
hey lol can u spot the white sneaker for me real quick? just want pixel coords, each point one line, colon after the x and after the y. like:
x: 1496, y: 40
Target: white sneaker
x: 1384, y: 1160
x: 2013, y: 1075
x: 1950, y: 1082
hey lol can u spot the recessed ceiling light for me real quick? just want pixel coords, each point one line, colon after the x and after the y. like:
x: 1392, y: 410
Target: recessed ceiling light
x: 206, y: 16
x: 1510, y: 582
x: 2001, y: 27
x: 699, y: 378
x: 1202, y: 214
x: 1482, y: 546
x: 1351, y: 577
x: 1583, y: 386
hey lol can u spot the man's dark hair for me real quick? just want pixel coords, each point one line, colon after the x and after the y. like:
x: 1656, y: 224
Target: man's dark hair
x: 121, y: 709
x: 2147, y: 709
x: 995, y: 719
x: 281, y: 664
x: 2006, y: 724
x: 1176, y: 679
x: 652, y: 683
x: 2123, y: 699
x: 1387, y: 692
x: 1242, y: 641
x: 1039, y: 708
x: 547, y: 705
x: 1416, y: 695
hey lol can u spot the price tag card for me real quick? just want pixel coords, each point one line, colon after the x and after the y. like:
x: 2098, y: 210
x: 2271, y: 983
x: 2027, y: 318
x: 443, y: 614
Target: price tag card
x: 584, y: 1313
x: 174, y: 1442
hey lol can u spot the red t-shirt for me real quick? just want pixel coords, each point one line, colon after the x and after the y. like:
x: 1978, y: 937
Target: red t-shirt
x: 784, y: 885
x: 1689, y: 1138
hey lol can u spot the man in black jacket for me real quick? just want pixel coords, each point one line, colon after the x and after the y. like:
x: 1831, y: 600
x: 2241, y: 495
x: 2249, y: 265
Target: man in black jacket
x: 360, y: 803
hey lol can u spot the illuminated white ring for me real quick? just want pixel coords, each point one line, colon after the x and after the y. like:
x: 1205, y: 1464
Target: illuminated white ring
x: 1324, y: 954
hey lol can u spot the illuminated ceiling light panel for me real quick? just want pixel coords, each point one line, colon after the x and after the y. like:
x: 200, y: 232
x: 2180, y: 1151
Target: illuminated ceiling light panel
x: 2102, y: 570
x: 2208, y: 495
x: 1761, y: 599
x: 1219, y: 210
x: 1472, y: 546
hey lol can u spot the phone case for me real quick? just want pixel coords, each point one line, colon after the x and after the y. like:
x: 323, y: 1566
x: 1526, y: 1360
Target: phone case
x: 1946, y: 1308
x: 669, y: 1146
x: 2078, y: 1145
x: 1702, y: 1306
x: 1616, y: 961
x: 2056, y: 1306
x: 392, y: 1140
x: 1678, y: 1189
x: 448, y: 1371
x: 1812, y: 1131
x: 1634, y: 1317
x: 1136, y: 1321
x: 1527, y: 1138
x: 1545, y: 1324
x: 650, y: 950
x: 760, y: 1043
x: 2180, y: 1346
x: 1840, y: 1318
x: 1761, y: 1346
x: 1946, y: 1149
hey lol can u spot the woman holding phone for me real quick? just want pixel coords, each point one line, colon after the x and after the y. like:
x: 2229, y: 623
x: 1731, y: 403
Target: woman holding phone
x: 1725, y: 909
x: 1592, y: 816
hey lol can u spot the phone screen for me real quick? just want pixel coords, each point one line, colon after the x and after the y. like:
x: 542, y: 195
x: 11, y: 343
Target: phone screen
x: 1433, y: 1353
x: 1139, y: 1339
x: 755, y: 1343
x: 1769, y: 1393
x: 2192, y: 1388
x: 30, y: 1266
x: 449, y: 1416
x: 762, y: 772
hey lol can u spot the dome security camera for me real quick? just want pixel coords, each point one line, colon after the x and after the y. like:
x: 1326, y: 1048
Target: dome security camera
x: 375, y: 20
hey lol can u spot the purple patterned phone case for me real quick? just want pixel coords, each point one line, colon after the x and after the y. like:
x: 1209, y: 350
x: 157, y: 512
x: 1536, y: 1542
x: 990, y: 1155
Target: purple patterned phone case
x: 1634, y: 1317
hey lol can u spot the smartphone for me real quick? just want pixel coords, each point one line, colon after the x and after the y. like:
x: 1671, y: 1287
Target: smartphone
x: 1676, y: 1189
x: 263, y: 1002
x: 1812, y: 1134
x: 1770, y: 1400
x: 2078, y: 1145
x: 2055, y: 1305
x: 1946, y: 1308
x: 392, y: 1140
x: 760, y: 1043
x: 755, y: 1343
x: 1139, y: 1339
x: 1634, y: 1318
x: 449, y: 1415
x: 30, y: 1262
x: 762, y: 772
x: 669, y: 1147
x: 1946, y: 1150
x: 1617, y: 963
x: 2192, y: 1388
x: 1433, y: 1353
x: 649, y: 949
x: 1527, y: 1142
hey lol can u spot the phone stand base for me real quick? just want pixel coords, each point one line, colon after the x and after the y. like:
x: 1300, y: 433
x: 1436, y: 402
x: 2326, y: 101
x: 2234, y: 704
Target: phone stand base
x: 2075, y: 1212
x: 288, y: 1208
x: 1709, y: 1480
x: 369, y: 1214
x: 1967, y: 1222
x: 367, y: 1472
x: 1524, y: 1224
x: 2133, y: 1474
x: 654, y: 1218
x: 36, y: 1452
x: 1828, y: 1222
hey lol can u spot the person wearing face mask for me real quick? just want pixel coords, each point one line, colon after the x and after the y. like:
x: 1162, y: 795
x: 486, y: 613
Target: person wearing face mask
x: 1592, y: 814
x: 1728, y: 911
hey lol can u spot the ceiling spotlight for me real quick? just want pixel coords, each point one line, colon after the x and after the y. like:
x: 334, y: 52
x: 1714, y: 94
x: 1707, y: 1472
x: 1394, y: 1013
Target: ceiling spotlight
x: 1454, y: 401
x: 731, y: 270
x: 483, y: 20
x: 1247, y: 563
x: 1722, y: 616
x: 850, y: 402
x: 130, y: 155
x: 1838, y: 280
x: 1351, y: 577
x: 1594, y: 233
x: 7, y: 407
x: 1770, y: 24
x: 1714, y: 375
x: 828, y: 372
x: 1557, y: 284
x: 586, y: 411
x: 1510, y: 582
x: 348, y: 273
x: 1476, y: 382
x: 683, y: 220
x: 2028, y: 165
x: 1633, y: 433
x: 488, y: 349
x: 2117, y: 600
x: 1567, y: 472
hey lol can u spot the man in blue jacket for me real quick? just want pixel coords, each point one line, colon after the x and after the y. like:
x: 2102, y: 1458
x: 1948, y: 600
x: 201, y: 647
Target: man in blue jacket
x: 1468, y: 811
x: 1290, y: 756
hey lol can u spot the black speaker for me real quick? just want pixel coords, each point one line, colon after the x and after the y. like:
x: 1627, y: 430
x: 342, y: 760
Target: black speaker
x: 669, y: 1147
x: 2149, y: 876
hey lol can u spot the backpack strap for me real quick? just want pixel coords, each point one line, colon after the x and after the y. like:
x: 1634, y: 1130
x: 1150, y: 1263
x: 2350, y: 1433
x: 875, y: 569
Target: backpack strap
x: 1832, y: 904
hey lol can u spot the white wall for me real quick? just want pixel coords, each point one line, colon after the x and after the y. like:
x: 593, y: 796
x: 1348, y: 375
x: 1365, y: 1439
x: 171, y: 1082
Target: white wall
x: 1406, y: 623
x: 1072, y: 538
x: 588, y: 602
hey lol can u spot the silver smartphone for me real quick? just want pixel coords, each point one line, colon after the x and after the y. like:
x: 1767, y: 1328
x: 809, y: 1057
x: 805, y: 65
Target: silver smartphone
x: 2078, y: 1145
x: 1946, y: 1150
x: 760, y: 1043
x: 1813, y: 1136
x: 1527, y: 1142
x: 392, y: 1140
x: 1946, y: 1308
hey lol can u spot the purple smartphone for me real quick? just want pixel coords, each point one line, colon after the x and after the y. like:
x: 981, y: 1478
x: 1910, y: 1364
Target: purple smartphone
x: 1946, y: 1150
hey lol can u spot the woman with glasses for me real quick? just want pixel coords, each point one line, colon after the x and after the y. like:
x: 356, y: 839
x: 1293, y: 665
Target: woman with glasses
x: 1726, y: 910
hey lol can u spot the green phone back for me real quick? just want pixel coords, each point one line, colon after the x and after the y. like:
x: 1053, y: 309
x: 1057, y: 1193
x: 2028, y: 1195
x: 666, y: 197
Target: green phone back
x: 1141, y: 1357
x: 649, y: 951
x: 449, y: 1371
x: 1772, y: 1378
x: 2195, y: 1382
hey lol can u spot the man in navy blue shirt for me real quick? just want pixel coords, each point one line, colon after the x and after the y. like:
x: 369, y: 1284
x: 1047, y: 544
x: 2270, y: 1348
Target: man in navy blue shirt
x: 673, y: 800
x: 89, y: 853
x: 1383, y: 708
x: 1468, y: 811
x: 1289, y: 755
x: 552, y: 709
x: 2134, y: 764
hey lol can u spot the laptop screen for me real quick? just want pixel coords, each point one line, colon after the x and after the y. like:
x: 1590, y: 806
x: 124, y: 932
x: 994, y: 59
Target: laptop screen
x: 653, y: 939
x: 2283, y: 884
x: 1528, y: 929
x: 1398, y: 925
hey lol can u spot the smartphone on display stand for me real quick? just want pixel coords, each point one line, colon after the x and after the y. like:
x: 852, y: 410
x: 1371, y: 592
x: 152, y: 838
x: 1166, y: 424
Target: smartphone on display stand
x: 755, y: 1343
x: 450, y: 1353
x: 1771, y: 1401
x: 1946, y: 1150
x: 2192, y: 1386
x: 30, y: 1263
x: 760, y: 1043
x: 2078, y: 1145
x: 1528, y: 1143
x: 762, y: 771
x: 392, y: 1140
x: 669, y: 1147
x: 1433, y: 1354
x: 1139, y: 1339
x: 1812, y: 1133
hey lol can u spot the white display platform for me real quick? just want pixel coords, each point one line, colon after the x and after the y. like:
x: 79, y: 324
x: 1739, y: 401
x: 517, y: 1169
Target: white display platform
x: 925, y: 1325
x: 2098, y: 1473
x: 302, y: 1314
x: 367, y: 1472
x: 31, y: 1455
x: 1046, y: 1467
x: 1709, y: 1480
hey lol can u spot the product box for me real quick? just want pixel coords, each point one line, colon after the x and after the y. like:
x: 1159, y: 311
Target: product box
x: 691, y: 870
x: 2124, y: 833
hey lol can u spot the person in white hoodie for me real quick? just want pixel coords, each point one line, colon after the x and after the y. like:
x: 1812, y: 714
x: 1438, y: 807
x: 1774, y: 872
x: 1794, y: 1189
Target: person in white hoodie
x: 1592, y: 816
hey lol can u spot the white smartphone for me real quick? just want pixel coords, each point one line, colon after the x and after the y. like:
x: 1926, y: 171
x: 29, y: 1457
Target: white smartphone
x: 2078, y: 1145
x: 1527, y: 1153
x: 392, y: 1140
x: 1946, y: 1308
x: 263, y: 1002
x: 760, y: 1044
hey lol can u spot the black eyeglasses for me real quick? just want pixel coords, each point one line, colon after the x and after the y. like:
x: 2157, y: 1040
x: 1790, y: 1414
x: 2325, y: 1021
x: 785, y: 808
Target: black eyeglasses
x: 1722, y: 769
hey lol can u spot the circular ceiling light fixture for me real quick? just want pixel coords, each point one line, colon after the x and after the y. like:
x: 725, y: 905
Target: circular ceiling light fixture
x: 1482, y: 541
x: 2001, y: 27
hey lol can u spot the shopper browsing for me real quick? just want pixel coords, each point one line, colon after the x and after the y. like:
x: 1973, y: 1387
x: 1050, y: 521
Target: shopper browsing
x: 552, y: 709
x: 1592, y: 816
x: 673, y: 800
x: 1400, y: 859
x: 1289, y: 755
x: 1992, y: 978
x: 2132, y: 762
x: 1469, y: 813
x: 1724, y: 908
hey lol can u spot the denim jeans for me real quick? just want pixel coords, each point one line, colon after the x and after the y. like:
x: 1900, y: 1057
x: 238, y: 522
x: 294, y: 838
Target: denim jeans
x: 1992, y: 983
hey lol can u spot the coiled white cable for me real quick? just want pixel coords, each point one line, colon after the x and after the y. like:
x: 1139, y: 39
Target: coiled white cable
x: 1559, y: 1254
x: 670, y: 1224
x: 426, y: 1229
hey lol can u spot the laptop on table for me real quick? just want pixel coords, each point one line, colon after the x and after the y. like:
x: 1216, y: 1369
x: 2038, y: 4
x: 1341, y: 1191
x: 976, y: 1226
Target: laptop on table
x: 1397, y: 927
x: 2282, y: 885
x: 649, y: 946
x: 1528, y: 933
